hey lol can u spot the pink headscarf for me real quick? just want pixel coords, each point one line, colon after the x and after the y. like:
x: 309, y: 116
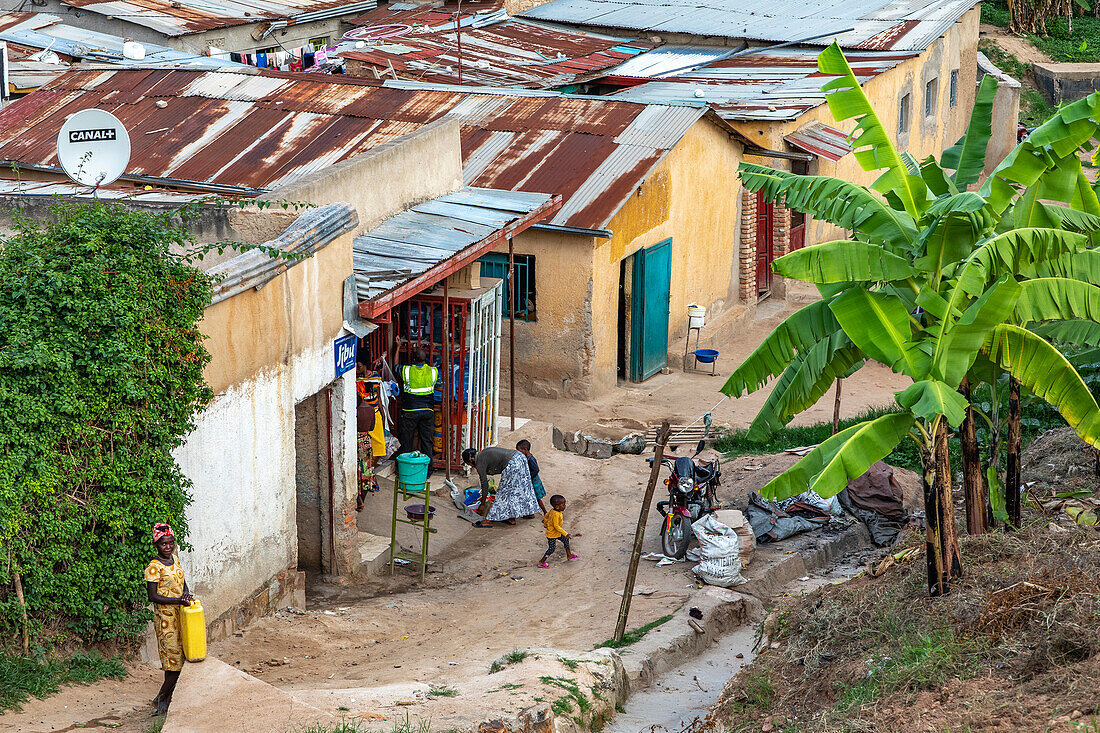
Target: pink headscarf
x: 160, y: 529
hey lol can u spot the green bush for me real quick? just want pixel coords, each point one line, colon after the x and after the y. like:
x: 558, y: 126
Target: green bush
x: 101, y: 365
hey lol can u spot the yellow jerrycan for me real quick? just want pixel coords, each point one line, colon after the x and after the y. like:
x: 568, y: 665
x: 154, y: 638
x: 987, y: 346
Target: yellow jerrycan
x: 193, y: 631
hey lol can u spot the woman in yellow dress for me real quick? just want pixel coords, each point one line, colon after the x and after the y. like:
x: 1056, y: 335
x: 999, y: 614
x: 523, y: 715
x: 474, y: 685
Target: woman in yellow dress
x: 167, y: 590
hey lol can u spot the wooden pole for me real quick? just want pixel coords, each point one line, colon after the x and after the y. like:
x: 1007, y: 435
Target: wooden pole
x: 511, y: 333
x: 836, y: 408
x: 447, y: 378
x: 639, y: 533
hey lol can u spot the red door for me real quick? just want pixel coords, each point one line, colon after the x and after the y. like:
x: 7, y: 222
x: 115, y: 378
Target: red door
x: 765, y: 250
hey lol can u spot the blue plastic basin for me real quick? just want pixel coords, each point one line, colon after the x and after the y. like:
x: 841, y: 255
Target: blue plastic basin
x: 706, y: 356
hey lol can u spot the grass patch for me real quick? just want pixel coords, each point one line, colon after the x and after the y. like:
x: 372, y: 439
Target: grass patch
x: 515, y: 656
x: 443, y: 691
x: 508, y: 686
x: 634, y: 635
x: 22, y: 678
x: 571, y: 664
x: 157, y: 725
x: 738, y: 443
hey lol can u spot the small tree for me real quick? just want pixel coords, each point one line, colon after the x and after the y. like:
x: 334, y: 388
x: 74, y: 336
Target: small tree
x: 933, y: 286
x: 101, y: 364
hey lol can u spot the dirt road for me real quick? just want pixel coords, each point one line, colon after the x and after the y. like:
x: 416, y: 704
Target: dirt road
x: 375, y: 647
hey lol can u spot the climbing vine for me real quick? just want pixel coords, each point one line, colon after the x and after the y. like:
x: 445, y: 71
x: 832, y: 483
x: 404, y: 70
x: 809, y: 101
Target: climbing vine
x: 101, y: 364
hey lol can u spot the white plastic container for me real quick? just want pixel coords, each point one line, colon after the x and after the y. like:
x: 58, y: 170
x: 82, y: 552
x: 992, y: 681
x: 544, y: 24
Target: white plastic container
x: 133, y: 50
x: 697, y: 316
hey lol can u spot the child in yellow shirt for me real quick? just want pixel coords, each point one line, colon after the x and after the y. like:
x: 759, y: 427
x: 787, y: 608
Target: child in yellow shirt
x: 555, y: 531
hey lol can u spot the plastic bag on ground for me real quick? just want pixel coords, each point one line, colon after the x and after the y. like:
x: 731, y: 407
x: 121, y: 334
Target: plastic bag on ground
x: 720, y: 551
x: 829, y: 506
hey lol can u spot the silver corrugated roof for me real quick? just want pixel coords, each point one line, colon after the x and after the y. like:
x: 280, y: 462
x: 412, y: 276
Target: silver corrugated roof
x: 898, y: 25
x: 413, y: 242
x: 766, y: 85
x: 668, y: 60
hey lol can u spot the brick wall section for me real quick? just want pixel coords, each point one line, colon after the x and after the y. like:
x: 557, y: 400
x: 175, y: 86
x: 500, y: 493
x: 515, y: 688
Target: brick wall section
x: 746, y: 255
x: 347, y: 542
x: 781, y: 230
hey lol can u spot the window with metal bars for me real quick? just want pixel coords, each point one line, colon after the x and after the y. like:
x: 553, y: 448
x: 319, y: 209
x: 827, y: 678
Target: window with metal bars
x: 495, y: 264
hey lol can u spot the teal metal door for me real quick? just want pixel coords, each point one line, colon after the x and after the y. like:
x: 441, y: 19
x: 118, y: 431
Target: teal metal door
x: 650, y: 286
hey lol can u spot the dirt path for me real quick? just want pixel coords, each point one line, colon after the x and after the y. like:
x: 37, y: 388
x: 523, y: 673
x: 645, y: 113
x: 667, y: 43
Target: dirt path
x: 1023, y: 49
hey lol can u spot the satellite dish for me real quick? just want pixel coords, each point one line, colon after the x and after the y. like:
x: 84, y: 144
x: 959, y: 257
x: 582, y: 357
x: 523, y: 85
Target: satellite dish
x: 93, y: 147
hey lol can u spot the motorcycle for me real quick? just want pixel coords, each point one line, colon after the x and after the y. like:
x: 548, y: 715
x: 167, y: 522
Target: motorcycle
x: 691, y: 494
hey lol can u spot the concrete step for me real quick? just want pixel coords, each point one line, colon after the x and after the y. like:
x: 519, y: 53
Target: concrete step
x: 213, y: 696
x: 374, y: 551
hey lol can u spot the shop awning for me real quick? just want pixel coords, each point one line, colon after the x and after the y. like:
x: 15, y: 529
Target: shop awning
x: 821, y: 140
x: 420, y: 247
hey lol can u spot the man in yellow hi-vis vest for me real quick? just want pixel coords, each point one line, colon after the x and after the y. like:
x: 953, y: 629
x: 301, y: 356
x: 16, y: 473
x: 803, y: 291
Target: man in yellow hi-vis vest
x: 418, y: 383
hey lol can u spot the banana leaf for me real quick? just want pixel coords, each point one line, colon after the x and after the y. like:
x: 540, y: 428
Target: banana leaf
x: 800, y: 330
x: 1084, y: 266
x: 880, y: 327
x: 1067, y: 130
x: 802, y: 384
x: 874, y: 148
x: 828, y: 468
x: 843, y: 261
x: 967, y: 156
x: 1046, y: 373
x: 959, y: 342
x: 930, y: 398
x: 1012, y: 253
x: 1078, y: 333
x: 847, y: 205
x: 1057, y: 298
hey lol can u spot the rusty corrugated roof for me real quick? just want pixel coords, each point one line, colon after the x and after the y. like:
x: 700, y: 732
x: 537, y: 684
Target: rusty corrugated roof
x: 421, y: 43
x: 252, y: 132
x: 181, y: 17
x: 820, y: 139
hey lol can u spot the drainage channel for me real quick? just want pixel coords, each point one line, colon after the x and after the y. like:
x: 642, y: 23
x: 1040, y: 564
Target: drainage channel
x: 687, y: 693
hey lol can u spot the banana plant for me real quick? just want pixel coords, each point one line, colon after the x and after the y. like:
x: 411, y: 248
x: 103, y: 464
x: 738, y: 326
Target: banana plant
x: 928, y: 287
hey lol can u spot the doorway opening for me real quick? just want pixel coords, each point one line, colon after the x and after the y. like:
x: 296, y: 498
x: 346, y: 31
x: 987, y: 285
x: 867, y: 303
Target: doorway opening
x: 313, y: 479
x: 765, y: 248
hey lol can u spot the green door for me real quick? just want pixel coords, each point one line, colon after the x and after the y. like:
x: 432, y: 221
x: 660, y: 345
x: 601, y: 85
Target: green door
x: 650, y: 284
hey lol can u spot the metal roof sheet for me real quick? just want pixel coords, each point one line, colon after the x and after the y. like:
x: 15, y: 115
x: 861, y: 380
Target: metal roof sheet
x: 762, y: 85
x: 251, y: 132
x: 458, y: 226
x: 869, y: 24
x: 422, y: 44
x: 47, y: 32
x: 181, y: 17
x: 822, y: 140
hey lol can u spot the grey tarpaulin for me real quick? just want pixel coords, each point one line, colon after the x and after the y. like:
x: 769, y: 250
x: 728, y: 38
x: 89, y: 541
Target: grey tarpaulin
x: 770, y: 523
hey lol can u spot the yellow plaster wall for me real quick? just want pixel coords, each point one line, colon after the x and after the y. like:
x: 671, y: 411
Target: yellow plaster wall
x: 691, y: 196
x: 956, y: 49
x: 299, y: 310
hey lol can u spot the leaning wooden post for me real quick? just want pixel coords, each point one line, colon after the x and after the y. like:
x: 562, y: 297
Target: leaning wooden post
x: 639, y: 533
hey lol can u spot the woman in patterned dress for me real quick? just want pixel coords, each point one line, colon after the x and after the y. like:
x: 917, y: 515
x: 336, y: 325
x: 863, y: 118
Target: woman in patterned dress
x: 167, y: 590
x: 515, y: 495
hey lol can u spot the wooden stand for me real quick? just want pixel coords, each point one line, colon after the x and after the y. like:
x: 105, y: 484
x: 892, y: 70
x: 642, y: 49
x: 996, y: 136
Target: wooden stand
x: 401, y: 493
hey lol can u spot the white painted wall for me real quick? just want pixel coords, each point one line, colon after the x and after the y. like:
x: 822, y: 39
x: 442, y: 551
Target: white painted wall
x: 240, y: 458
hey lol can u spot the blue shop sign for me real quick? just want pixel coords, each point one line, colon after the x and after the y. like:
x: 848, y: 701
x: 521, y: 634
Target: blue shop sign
x: 344, y: 349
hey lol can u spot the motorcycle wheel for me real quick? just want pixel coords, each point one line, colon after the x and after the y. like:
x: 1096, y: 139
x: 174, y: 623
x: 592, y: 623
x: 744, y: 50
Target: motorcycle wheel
x: 675, y: 541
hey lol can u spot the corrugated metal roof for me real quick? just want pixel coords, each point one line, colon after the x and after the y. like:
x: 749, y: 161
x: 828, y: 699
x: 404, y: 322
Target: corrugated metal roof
x: 910, y: 25
x: 181, y: 17
x: 410, y: 244
x: 79, y: 44
x: 422, y: 44
x: 774, y: 85
x: 250, y: 132
x: 820, y: 139
x: 19, y: 188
